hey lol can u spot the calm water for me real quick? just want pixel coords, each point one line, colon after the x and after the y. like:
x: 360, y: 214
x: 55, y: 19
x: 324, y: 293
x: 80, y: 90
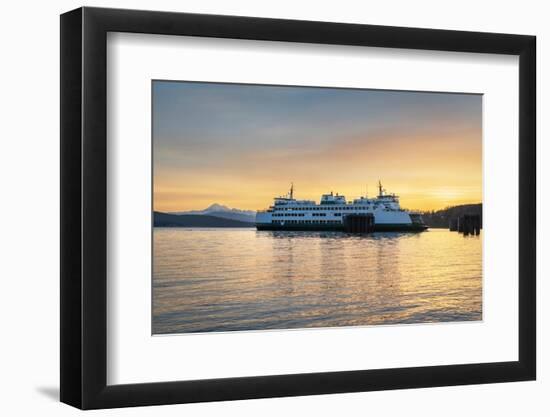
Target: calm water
x: 241, y: 279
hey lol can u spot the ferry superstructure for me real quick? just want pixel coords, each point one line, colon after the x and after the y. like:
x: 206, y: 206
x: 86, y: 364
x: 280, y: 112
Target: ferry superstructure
x: 288, y: 213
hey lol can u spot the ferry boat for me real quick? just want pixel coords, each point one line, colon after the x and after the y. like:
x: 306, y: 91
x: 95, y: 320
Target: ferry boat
x: 334, y: 213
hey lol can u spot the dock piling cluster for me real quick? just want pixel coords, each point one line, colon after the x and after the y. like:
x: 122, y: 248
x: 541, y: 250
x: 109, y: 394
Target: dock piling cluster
x: 469, y: 224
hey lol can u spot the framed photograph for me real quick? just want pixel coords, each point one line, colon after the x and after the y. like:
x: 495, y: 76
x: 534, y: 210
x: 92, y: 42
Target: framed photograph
x: 257, y: 208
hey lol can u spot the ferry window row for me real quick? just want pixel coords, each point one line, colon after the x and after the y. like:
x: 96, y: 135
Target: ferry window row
x: 306, y: 222
x: 302, y: 214
x: 324, y: 208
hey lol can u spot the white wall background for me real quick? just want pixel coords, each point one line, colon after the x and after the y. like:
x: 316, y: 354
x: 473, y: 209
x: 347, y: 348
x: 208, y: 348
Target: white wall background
x: 29, y: 236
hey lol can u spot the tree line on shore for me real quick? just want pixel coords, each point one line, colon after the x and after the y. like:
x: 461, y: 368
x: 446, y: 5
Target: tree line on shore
x: 441, y: 218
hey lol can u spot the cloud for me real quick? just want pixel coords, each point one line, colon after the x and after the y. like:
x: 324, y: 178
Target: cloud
x: 241, y: 145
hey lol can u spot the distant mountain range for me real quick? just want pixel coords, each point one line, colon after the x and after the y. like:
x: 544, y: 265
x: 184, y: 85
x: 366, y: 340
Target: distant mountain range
x: 224, y: 212
x: 195, y: 220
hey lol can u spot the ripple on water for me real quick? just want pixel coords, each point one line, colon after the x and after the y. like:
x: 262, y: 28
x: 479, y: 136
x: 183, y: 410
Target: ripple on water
x: 243, y: 279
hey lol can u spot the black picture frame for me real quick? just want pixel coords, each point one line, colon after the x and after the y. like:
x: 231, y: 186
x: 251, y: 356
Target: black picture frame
x: 84, y: 207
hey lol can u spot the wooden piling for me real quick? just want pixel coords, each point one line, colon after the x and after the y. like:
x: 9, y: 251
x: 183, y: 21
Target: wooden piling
x: 469, y: 224
x: 477, y: 224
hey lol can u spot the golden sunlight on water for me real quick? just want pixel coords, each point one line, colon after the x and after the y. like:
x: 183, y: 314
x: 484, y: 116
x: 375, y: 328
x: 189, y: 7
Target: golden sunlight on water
x: 242, y: 279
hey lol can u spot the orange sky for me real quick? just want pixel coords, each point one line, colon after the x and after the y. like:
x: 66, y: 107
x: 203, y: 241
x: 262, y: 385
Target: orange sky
x: 242, y: 145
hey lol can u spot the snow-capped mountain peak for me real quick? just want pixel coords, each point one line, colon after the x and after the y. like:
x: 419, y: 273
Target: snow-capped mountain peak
x: 217, y: 207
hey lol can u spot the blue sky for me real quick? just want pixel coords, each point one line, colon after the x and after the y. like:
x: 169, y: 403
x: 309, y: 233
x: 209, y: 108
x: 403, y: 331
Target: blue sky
x: 210, y: 138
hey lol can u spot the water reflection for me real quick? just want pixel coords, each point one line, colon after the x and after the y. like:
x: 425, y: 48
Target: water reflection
x: 227, y: 279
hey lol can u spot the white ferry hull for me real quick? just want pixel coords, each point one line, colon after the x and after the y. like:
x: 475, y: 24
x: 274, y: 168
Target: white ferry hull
x: 383, y: 222
x: 340, y: 227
